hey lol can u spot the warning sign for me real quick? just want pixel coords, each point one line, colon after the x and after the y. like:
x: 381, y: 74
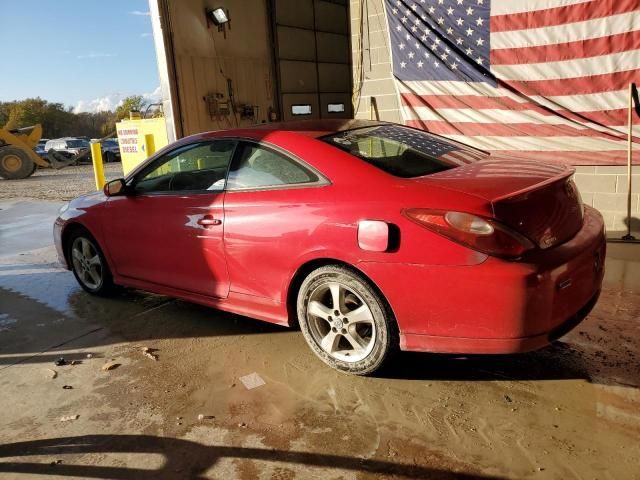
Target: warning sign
x: 128, y: 138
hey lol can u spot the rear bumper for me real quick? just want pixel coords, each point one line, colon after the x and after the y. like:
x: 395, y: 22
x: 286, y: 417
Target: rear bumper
x: 428, y: 343
x: 496, y: 306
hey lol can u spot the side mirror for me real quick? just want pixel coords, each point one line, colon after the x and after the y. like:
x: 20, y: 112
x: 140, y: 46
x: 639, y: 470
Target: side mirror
x: 115, y: 187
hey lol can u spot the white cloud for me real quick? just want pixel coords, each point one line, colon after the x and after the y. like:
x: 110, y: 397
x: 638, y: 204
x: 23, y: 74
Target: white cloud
x: 146, y: 34
x: 112, y: 101
x: 97, y: 55
x: 153, y: 97
x: 139, y: 13
x: 100, y: 104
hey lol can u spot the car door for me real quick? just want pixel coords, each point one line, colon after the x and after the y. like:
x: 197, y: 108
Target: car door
x: 168, y: 229
x: 271, y: 207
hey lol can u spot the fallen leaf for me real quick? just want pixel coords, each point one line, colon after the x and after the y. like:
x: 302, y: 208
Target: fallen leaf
x: 110, y: 366
x: 52, y: 373
x: 68, y: 418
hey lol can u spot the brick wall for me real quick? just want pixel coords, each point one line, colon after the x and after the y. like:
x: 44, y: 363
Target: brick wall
x: 601, y: 187
x: 605, y: 188
x: 372, y: 73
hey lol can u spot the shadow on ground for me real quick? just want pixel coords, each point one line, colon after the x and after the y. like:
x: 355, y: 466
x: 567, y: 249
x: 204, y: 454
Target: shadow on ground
x: 185, y: 459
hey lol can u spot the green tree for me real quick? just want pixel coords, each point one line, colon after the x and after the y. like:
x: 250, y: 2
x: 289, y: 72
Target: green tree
x: 58, y: 121
x: 5, y: 107
x: 134, y: 102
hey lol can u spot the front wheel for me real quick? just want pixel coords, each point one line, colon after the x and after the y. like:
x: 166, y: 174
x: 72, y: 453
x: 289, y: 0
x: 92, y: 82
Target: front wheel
x: 345, y: 321
x: 15, y: 163
x: 89, y: 265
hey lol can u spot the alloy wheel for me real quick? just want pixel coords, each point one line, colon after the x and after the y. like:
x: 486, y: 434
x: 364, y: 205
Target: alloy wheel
x: 87, y: 263
x: 341, y: 322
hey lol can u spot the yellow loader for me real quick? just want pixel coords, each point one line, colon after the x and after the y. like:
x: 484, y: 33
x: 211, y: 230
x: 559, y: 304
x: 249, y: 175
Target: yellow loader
x: 19, y: 160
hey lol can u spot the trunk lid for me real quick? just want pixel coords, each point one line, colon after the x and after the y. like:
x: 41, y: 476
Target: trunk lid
x: 535, y: 199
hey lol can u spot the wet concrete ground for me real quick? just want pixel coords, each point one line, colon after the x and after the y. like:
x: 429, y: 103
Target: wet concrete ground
x: 569, y: 411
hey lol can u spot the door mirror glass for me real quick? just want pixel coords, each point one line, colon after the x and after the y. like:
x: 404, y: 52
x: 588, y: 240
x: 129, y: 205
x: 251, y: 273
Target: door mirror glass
x: 115, y: 187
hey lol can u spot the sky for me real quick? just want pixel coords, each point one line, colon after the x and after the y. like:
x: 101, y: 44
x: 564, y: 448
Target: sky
x: 85, y: 54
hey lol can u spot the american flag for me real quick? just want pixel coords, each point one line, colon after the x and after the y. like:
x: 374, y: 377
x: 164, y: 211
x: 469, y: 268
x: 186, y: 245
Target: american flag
x: 545, y: 79
x: 429, y: 144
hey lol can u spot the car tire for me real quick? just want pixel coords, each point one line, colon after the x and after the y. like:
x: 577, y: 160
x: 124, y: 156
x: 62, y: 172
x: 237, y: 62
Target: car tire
x: 89, y: 264
x: 355, y: 337
x: 15, y: 163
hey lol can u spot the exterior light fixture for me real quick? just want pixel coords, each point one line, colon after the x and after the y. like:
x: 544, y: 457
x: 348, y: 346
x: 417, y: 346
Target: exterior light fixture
x: 218, y: 16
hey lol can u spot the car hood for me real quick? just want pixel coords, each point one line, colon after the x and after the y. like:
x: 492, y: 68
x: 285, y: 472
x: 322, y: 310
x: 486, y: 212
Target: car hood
x: 88, y: 200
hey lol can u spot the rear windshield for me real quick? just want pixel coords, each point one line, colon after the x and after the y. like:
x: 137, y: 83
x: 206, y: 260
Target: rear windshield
x: 402, y: 151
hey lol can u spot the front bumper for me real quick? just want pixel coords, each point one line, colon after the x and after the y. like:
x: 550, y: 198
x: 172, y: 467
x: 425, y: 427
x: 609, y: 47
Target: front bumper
x: 497, y: 306
x: 57, y: 241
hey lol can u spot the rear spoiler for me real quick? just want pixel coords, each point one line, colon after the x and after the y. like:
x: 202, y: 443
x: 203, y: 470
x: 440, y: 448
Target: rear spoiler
x: 568, y: 172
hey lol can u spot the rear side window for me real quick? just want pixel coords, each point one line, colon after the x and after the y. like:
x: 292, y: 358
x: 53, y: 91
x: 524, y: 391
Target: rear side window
x: 401, y: 151
x: 257, y: 166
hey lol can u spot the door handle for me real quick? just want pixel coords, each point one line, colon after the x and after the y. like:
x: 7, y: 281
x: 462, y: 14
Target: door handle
x: 209, y: 221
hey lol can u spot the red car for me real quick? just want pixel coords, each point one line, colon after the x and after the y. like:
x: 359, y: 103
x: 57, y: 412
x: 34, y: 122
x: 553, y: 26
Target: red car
x: 371, y: 236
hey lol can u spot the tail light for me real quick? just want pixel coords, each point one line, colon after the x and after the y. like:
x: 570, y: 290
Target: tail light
x: 478, y: 233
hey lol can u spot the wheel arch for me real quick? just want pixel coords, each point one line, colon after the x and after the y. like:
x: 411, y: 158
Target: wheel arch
x: 69, y: 229
x: 306, y: 268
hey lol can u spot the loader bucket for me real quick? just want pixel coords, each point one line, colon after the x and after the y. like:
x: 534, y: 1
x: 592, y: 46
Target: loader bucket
x: 58, y: 161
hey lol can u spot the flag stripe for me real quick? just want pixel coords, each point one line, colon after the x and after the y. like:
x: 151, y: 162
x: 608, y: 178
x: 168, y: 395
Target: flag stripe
x: 612, y: 104
x: 513, y: 117
x: 519, y: 6
x: 572, y: 32
x: 575, y: 86
x: 617, y: 116
x: 566, y: 51
x: 580, y: 157
x: 561, y: 15
x: 507, y: 130
x: 581, y: 67
x: 489, y: 142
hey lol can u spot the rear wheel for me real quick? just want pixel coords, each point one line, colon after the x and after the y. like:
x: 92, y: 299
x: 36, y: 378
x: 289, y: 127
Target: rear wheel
x: 15, y: 163
x: 345, y: 321
x: 89, y: 265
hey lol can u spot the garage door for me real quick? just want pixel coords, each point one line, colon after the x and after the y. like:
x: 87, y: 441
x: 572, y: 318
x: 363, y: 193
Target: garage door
x: 313, y: 58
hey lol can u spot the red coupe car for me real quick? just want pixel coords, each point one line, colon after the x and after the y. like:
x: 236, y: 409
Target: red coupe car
x: 371, y: 236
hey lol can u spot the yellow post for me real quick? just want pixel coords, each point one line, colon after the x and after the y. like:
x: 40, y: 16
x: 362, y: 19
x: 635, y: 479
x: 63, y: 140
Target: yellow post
x: 98, y: 166
x: 149, y: 144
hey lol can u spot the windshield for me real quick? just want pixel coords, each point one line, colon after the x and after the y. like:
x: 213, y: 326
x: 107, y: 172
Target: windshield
x: 402, y: 151
x: 77, y: 144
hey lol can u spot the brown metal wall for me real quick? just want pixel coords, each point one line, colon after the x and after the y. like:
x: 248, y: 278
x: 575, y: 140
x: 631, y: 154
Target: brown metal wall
x: 276, y: 52
x: 313, y: 57
x: 205, y: 58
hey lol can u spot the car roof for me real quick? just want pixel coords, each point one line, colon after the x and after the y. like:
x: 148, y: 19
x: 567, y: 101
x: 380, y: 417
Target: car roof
x: 318, y: 128
x: 310, y: 128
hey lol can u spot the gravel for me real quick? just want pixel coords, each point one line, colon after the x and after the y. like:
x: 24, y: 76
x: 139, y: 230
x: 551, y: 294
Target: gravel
x: 50, y: 184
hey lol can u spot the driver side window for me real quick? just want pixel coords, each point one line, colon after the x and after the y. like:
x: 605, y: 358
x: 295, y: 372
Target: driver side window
x: 199, y: 167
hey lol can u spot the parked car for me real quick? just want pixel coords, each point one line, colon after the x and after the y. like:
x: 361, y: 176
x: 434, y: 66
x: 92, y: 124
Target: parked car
x: 111, y: 150
x: 69, y: 146
x: 371, y: 236
x: 40, y: 148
